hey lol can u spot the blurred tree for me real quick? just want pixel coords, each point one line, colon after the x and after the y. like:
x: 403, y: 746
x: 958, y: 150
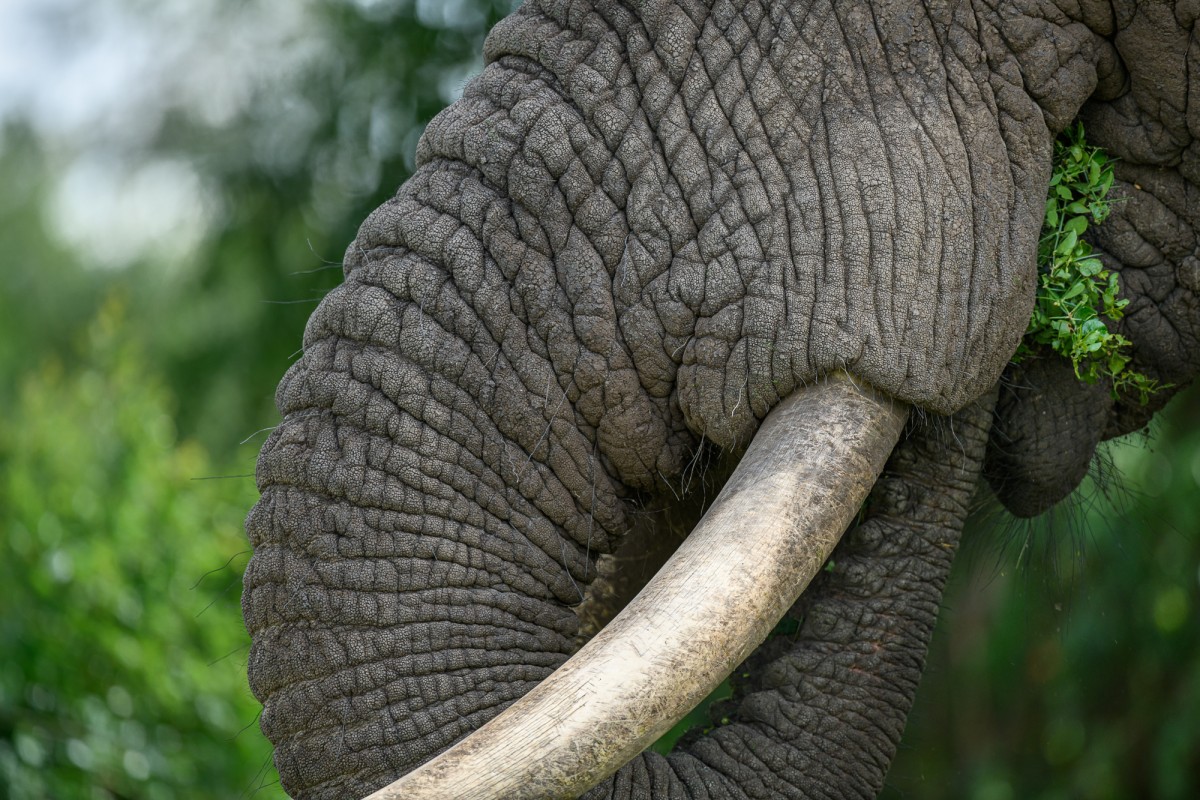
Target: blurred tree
x: 301, y: 142
x: 123, y: 672
x: 1073, y: 670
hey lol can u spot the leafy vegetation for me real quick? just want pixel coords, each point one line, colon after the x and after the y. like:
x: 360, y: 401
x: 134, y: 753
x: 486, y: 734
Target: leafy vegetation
x: 124, y: 664
x: 1075, y: 292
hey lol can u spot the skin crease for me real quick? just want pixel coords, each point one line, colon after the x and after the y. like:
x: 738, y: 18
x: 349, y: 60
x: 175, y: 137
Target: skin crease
x: 643, y: 225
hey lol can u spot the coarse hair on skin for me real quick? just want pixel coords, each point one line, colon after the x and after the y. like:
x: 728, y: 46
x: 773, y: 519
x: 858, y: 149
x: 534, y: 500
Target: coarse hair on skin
x: 1052, y: 547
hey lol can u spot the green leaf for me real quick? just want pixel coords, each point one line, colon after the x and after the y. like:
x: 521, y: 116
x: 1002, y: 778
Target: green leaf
x: 1075, y: 292
x: 1067, y: 243
x: 1076, y: 225
x: 1051, y: 212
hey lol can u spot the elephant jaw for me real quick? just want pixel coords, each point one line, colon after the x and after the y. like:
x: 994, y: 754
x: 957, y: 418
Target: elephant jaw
x: 769, y: 531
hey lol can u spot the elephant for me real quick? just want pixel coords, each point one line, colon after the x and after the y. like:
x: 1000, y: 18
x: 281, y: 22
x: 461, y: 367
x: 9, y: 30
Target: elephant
x: 776, y: 252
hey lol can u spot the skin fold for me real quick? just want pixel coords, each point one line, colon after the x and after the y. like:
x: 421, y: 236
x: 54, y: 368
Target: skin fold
x: 643, y: 225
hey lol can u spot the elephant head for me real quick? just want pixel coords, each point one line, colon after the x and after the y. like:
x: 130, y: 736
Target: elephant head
x: 655, y: 237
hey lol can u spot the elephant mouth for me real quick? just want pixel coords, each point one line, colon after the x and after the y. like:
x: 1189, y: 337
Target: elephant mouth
x: 767, y: 534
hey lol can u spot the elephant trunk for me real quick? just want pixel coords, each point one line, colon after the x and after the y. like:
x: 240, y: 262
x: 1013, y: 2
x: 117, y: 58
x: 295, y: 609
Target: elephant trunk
x: 799, y: 485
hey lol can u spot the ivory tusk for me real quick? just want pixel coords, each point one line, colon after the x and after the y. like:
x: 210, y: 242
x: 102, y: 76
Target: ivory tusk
x: 796, y: 490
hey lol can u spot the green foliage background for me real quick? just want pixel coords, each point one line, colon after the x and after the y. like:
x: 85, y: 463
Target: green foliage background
x: 131, y: 394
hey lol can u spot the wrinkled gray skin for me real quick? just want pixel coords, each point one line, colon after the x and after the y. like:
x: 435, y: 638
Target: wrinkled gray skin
x: 643, y: 225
